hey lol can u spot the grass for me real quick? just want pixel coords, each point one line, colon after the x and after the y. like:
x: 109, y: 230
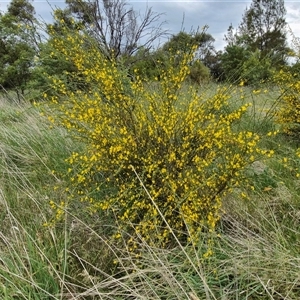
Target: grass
x: 255, y: 251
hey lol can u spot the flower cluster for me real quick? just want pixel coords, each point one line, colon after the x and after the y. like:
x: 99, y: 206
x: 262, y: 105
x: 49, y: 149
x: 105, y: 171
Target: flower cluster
x: 184, y: 146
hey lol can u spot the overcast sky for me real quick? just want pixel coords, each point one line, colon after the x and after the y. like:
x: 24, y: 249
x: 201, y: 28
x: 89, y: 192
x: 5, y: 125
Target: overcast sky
x: 218, y: 15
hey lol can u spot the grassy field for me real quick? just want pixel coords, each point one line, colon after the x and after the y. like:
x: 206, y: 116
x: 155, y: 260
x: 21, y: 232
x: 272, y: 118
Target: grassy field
x: 256, y: 248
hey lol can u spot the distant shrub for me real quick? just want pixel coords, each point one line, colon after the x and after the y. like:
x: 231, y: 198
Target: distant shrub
x: 289, y: 111
x: 199, y: 73
x: 181, y: 144
x: 256, y: 70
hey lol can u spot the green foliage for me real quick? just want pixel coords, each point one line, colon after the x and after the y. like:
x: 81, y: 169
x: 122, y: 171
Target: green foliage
x: 51, y: 63
x: 238, y: 63
x: 232, y: 61
x: 263, y: 28
x: 181, y: 41
x: 259, y: 45
x: 199, y: 73
x: 150, y: 68
x: 201, y: 66
x: 15, y: 66
x: 18, y: 46
x: 148, y: 65
x: 256, y: 70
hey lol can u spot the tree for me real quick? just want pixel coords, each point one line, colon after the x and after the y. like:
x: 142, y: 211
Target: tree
x: 258, y: 43
x: 19, y: 43
x: 263, y: 28
x: 115, y: 26
x: 182, y: 41
x: 199, y: 73
x: 154, y: 62
x: 255, y: 70
x: 148, y: 64
x: 23, y: 13
x: 232, y: 61
x: 214, y: 64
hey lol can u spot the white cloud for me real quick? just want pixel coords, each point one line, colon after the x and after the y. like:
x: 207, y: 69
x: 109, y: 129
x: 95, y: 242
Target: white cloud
x: 218, y: 15
x: 293, y: 16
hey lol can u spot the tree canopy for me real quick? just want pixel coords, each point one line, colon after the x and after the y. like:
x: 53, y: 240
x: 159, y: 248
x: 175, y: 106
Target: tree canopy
x: 260, y: 37
x: 19, y: 45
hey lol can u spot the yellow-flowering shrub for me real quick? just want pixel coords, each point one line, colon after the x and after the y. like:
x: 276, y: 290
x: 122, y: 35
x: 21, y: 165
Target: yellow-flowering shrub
x: 182, y: 144
x: 289, y: 112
